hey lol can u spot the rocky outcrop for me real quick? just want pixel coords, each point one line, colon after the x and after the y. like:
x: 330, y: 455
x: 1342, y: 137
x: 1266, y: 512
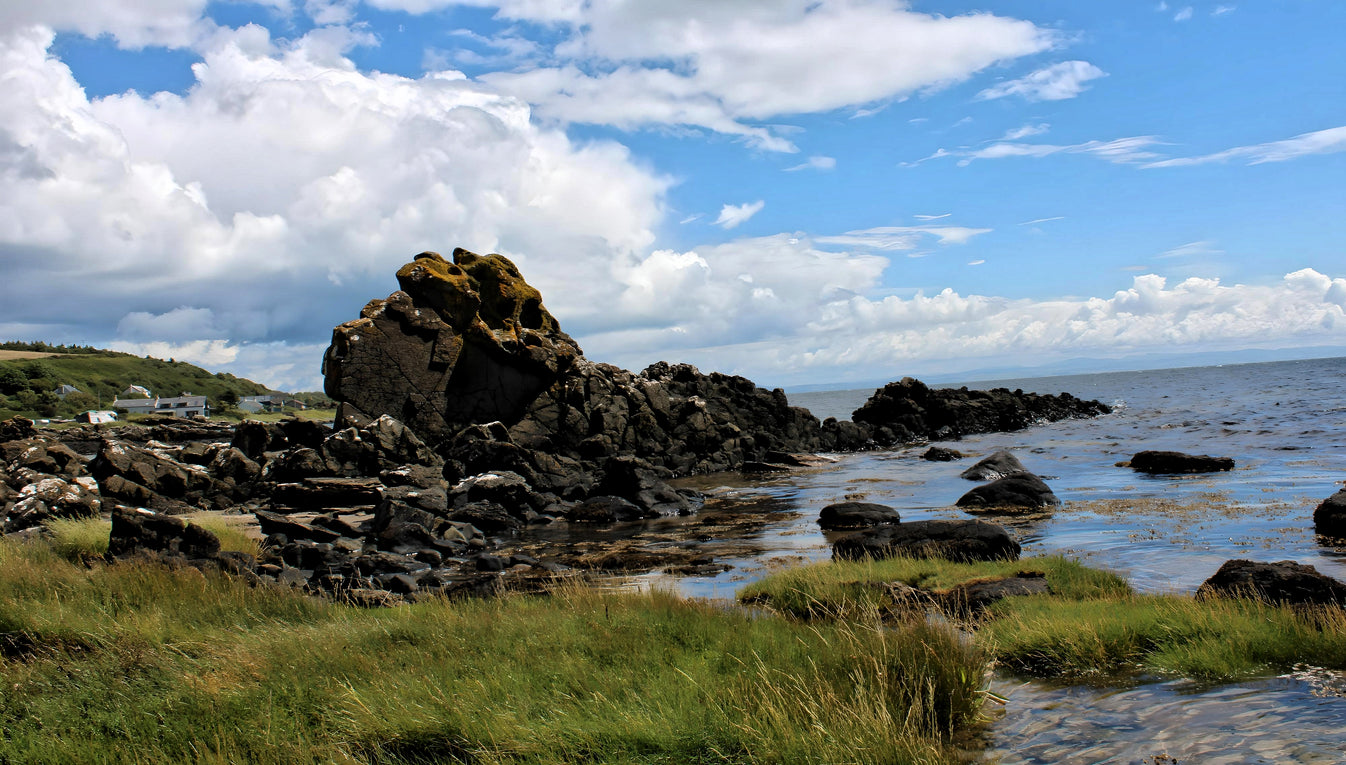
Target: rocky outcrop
x: 467, y: 343
x: 856, y: 515
x: 1162, y: 462
x: 1329, y: 518
x: 908, y: 410
x: 1286, y: 582
x: 941, y: 454
x: 953, y: 540
x: 1017, y: 492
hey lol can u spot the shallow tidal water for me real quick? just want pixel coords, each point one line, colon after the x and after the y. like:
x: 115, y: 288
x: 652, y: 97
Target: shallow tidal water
x: 1284, y: 423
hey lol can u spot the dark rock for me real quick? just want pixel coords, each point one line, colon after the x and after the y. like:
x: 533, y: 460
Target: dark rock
x: 490, y: 517
x: 145, y: 478
x: 856, y: 515
x: 273, y: 523
x: 997, y: 465
x: 16, y: 429
x: 233, y: 465
x: 607, y: 509
x: 255, y: 439
x: 304, y: 433
x: 43, y: 456
x: 954, y: 540
x: 1285, y: 582
x: 296, y: 464
x: 975, y: 597
x: 505, y: 489
x: 940, y: 454
x: 490, y: 563
x: 325, y: 493
x: 135, y: 531
x: 1329, y: 518
x: 1017, y: 491
x: 51, y: 497
x: 1177, y: 462
x: 911, y: 411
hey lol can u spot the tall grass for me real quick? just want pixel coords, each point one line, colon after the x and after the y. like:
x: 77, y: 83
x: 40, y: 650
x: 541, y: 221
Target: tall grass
x: 1091, y: 627
x: 121, y: 663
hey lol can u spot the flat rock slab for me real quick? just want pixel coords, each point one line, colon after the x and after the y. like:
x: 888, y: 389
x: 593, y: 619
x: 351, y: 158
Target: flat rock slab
x: 1156, y: 462
x: 1017, y: 492
x: 856, y: 515
x: 962, y: 541
x: 1285, y: 582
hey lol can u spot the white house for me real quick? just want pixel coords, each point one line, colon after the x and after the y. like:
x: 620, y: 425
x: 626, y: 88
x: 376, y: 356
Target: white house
x: 179, y: 406
x: 135, y: 391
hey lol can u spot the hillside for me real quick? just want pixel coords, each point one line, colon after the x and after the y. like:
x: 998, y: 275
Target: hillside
x: 27, y: 384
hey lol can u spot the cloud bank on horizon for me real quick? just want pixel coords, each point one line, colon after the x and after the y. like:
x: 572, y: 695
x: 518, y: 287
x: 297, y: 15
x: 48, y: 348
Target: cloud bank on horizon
x: 797, y: 191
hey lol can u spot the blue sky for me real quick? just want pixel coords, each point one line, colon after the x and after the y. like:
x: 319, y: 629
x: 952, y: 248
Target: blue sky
x: 802, y: 192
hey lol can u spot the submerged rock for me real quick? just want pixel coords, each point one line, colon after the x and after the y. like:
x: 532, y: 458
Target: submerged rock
x: 1176, y: 462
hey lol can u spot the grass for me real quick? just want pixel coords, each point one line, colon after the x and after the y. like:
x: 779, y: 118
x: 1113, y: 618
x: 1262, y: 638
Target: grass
x: 138, y: 663
x: 1091, y: 627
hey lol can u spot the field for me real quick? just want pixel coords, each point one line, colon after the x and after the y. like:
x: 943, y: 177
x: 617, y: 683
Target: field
x: 22, y: 355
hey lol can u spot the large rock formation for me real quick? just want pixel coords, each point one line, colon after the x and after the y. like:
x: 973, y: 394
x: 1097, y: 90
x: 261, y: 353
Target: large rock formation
x: 468, y: 343
x: 908, y: 410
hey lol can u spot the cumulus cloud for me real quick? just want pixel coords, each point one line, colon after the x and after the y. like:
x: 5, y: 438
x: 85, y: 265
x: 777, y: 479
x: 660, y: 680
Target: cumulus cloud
x: 132, y: 23
x: 725, y: 66
x: 280, y: 192
x: 1054, y: 83
x: 732, y: 215
x: 857, y: 336
x: 1328, y: 141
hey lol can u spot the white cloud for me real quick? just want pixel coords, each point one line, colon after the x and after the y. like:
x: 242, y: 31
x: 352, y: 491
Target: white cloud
x: 1025, y: 131
x: 1036, y: 221
x: 280, y: 192
x: 1054, y: 83
x: 814, y: 163
x: 732, y: 215
x: 724, y: 66
x: 858, y: 336
x: 931, y: 217
x: 1221, y: 10
x: 1328, y: 141
x: 1184, y: 14
x: 902, y: 237
x: 132, y: 23
x: 1118, y: 151
x: 1192, y: 249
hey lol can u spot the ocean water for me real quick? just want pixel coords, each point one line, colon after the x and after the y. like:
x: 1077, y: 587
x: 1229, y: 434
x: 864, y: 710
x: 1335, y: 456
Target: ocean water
x: 1284, y: 424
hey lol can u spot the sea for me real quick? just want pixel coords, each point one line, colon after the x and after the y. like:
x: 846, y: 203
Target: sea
x: 1283, y: 423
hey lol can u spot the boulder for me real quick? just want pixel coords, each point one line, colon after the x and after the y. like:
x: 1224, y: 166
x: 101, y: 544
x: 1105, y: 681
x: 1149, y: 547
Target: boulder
x: 16, y: 429
x: 142, y: 531
x: 1177, y: 462
x: 997, y: 465
x: 1329, y: 518
x: 607, y: 509
x: 976, y: 596
x: 325, y: 493
x: 1285, y: 582
x: 856, y: 515
x: 51, y: 497
x: 1014, y: 492
x: 146, y: 478
x: 274, y: 523
x: 940, y: 454
x: 963, y: 541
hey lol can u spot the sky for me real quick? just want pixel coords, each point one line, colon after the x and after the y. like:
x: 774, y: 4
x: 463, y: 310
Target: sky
x: 798, y: 191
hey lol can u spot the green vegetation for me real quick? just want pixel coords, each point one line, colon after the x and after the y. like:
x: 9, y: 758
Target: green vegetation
x: 1092, y: 627
x: 27, y: 386
x: 140, y: 663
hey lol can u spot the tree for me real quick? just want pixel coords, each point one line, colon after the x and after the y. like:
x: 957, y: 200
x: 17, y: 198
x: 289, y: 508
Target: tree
x: 228, y: 399
x: 12, y: 380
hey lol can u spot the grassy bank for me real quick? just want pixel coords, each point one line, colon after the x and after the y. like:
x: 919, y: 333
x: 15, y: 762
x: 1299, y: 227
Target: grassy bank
x: 138, y: 663
x: 1091, y: 627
